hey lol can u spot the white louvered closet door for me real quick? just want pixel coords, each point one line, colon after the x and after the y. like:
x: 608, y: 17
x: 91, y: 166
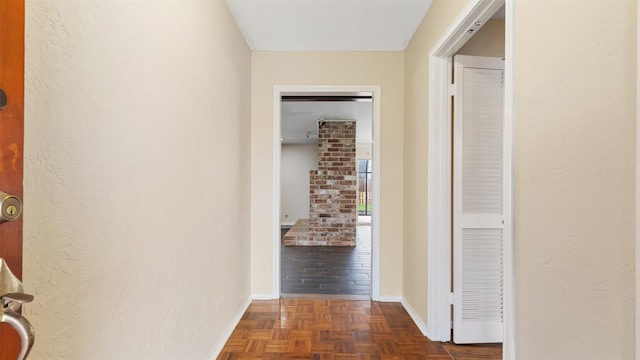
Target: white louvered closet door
x: 478, y: 200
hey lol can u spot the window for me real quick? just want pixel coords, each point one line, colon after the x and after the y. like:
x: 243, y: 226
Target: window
x: 364, y: 187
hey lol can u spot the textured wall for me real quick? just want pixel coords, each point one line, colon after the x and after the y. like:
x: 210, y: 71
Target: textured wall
x: 327, y: 68
x: 136, y: 243
x: 575, y: 171
x: 296, y: 162
x: 574, y: 158
x: 440, y: 16
x: 488, y: 41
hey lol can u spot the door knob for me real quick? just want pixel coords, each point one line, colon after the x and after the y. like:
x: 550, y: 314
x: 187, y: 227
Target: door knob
x: 23, y: 327
x: 11, y: 300
x: 10, y: 207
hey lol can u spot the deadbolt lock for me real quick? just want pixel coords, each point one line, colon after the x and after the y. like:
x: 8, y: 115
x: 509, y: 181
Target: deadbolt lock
x: 10, y: 207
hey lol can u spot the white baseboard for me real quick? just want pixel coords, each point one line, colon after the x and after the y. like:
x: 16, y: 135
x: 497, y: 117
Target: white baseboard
x: 412, y: 313
x: 227, y: 333
x: 262, y: 297
x: 414, y: 316
x: 388, y: 299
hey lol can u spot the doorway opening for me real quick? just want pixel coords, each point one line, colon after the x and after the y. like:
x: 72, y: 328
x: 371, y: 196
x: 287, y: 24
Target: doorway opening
x: 316, y: 251
x: 440, y: 296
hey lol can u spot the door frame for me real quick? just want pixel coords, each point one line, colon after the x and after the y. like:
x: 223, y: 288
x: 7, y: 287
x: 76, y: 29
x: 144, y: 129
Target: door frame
x: 637, y: 199
x: 440, y: 163
x: 327, y: 90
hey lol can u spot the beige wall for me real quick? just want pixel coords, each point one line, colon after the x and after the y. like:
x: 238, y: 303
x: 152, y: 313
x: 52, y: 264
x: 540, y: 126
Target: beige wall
x: 327, y: 68
x: 574, y: 156
x: 119, y: 128
x: 364, y: 151
x: 440, y: 16
x: 488, y: 41
x: 296, y: 161
x: 574, y: 148
x: 136, y: 242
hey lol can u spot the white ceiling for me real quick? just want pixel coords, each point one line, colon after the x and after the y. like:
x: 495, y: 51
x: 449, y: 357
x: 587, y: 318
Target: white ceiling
x: 328, y: 25
x: 298, y: 118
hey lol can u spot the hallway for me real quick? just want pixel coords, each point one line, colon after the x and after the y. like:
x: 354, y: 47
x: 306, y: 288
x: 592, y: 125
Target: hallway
x: 338, y: 329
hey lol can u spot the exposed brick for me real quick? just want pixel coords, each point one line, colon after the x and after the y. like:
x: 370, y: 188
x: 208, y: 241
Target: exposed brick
x: 333, y: 209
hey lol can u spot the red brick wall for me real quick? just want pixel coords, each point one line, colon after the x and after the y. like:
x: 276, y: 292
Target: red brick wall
x: 333, y: 187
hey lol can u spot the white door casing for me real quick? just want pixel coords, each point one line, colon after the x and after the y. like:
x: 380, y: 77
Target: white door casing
x: 438, y: 326
x: 478, y: 199
x: 327, y: 90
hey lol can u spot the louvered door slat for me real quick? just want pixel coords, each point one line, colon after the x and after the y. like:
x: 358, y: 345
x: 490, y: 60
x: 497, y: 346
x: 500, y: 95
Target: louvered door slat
x: 478, y: 200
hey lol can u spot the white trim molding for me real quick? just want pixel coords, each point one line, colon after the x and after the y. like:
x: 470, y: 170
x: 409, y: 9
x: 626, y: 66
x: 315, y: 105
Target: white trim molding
x: 414, y: 316
x: 396, y: 299
x: 263, y: 297
x: 275, y: 231
x: 637, y: 234
x: 509, y: 343
x: 375, y: 90
x: 229, y: 330
x: 439, y: 203
x: 473, y: 16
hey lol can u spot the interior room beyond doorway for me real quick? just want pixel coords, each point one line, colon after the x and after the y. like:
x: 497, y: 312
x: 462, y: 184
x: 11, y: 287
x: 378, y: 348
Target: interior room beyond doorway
x: 325, y: 217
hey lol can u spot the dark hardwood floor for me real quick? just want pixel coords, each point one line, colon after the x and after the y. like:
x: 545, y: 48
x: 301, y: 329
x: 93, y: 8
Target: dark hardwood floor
x: 338, y: 330
x: 328, y: 269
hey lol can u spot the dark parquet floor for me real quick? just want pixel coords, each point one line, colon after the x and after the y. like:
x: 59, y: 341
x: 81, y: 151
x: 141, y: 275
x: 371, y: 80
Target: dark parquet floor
x: 328, y: 269
x: 338, y: 330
